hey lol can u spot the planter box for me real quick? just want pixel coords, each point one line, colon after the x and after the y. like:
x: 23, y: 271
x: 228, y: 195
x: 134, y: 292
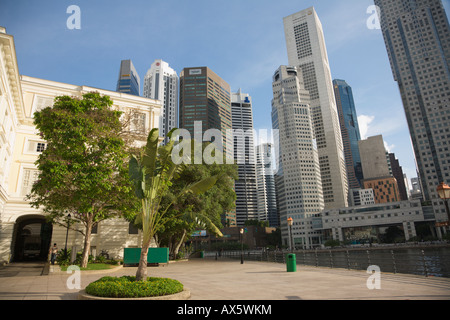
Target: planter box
x: 131, y: 256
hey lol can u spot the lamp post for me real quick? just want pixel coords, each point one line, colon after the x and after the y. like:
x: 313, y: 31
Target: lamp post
x: 241, y: 232
x: 67, y: 232
x: 290, y: 222
x: 444, y: 193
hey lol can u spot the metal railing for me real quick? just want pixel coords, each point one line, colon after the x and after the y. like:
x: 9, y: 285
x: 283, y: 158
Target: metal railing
x: 419, y: 261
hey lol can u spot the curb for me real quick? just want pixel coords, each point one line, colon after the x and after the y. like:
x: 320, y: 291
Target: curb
x: 183, y: 295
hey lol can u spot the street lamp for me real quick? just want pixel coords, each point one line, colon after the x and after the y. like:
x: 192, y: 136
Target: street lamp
x: 241, y: 232
x: 444, y: 193
x: 67, y: 232
x: 290, y: 222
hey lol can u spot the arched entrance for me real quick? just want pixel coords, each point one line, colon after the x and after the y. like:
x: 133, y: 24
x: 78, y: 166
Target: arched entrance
x: 31, y: 239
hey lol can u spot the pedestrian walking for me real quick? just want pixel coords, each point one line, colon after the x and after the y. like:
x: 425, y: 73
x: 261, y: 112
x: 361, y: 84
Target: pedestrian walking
x: 53, y: 253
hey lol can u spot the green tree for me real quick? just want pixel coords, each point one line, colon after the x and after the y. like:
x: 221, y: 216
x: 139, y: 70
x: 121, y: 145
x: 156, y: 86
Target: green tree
x: 191, y: 212
x: 83, y: 170
x: 152, y: 174
x: 257, y: 223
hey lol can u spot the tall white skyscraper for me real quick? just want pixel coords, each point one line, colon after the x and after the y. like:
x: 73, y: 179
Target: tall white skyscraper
x: 298, y: 179
x: 244, y: 154
x: 161, y: 83
x: 306, y: 50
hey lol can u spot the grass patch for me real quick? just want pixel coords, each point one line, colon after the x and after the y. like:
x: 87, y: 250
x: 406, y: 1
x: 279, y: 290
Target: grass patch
x: 92, y: 266
x: 128, y: 287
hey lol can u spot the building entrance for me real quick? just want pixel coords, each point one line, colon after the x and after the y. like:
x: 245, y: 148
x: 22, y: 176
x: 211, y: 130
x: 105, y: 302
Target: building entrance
x: 31, y: 239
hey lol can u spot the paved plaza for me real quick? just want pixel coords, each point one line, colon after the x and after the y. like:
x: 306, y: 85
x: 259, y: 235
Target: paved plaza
x: 231, y: 280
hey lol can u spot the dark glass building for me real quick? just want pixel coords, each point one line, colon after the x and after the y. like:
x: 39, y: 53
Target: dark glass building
x: 350, y: 131
x: 205, y: 98
x: 129, y: 81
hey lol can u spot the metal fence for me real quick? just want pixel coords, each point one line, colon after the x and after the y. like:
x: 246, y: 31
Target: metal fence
x: 419, y: 261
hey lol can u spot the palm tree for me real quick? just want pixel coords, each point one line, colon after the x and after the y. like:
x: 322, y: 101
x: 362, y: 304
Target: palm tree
x: 151, y: 176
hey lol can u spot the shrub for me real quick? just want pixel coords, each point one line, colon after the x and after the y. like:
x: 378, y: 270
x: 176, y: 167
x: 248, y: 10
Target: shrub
x: 128, y: 287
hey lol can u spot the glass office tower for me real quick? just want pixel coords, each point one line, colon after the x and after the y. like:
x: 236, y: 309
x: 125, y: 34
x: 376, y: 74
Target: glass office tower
x: 350, y: 131
x: 129, y: 81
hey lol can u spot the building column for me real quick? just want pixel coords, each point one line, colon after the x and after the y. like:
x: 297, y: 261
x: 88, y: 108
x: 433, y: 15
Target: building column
x: 409, y: 229
x: 438, y: 233
x: 6, y: 238
x: 337, y: 234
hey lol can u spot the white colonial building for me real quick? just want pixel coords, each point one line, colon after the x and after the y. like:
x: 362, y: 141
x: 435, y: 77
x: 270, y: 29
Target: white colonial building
x: 20, y: 145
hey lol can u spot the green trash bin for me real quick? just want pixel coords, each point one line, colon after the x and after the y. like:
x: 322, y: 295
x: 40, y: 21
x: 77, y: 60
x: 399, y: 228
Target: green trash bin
x: 291, y: 262
x: 202, y: 254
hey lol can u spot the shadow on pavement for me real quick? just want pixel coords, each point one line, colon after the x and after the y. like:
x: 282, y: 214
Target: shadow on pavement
x: 23, y: 269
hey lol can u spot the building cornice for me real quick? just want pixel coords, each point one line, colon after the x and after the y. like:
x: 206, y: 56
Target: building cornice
x: 12, y: 73
x: 118, y: 97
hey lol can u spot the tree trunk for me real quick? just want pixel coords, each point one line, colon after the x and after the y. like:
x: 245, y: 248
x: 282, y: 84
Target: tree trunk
x: 141, y: 273
x: 177, y: 247
x: 87, y: 244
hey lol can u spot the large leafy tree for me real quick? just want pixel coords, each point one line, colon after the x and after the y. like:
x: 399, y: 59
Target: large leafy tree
x: 152, y: 174
x: 84, y: 169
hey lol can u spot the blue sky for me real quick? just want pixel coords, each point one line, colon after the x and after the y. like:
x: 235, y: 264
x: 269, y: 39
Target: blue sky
x: 240, y: 40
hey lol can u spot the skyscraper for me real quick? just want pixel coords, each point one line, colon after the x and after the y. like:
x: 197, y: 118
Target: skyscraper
x: 129, y: 81
x: 267, y: 199
x: 306, y: 49
x: 298, y: 179
x: 397, y: 172
x: 348, y: 120
x: 161, y: 83
x: 206, y: 98
x: 417, y: 38
x: 244, y: 154
x: 377, y: 170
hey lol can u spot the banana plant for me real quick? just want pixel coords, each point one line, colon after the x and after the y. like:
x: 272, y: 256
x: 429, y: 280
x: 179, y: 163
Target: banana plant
x: 151, y: 176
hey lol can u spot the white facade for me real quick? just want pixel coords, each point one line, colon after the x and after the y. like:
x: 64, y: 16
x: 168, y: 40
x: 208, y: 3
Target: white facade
x: 244, y: 154
x: 306, y: 50
x: 20, y: 145
x: 361, y: 197
x: 404, y: 214
x: 161, y: 83
x: 299, y: 181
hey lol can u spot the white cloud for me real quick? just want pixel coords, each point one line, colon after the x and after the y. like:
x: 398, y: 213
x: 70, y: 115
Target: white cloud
x: 389, y: 148
x: 364, y: 124
x: 366, y: 129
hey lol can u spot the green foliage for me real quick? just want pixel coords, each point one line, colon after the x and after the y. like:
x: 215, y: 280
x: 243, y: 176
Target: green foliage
x: 199, y: 211
x: 63, y: 259
x: 274, y: 239
x: 152, y: 174
x: 332, y: 243
x: 128, y: 287
x: 256, y: 223
x: 162, y: 185
x: 83, y: 170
